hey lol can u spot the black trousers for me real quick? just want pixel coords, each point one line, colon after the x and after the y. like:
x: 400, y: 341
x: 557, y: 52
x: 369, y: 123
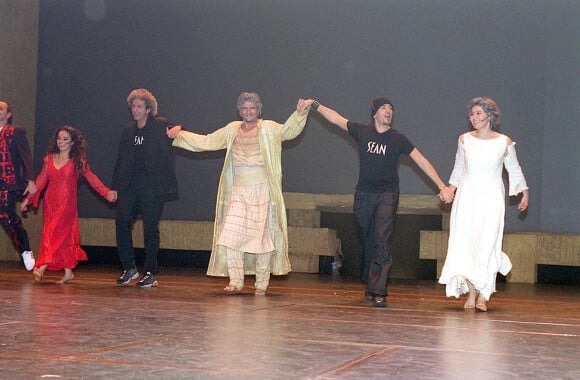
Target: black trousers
x: 138, y: 199
x: 375, y: 216
x: 11, y: 221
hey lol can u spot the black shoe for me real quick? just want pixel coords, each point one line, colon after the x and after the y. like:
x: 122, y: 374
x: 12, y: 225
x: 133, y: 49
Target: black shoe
x: 127, y: 276
x: 369, y: 296
x: 147, y: 281
x: 380, y: 301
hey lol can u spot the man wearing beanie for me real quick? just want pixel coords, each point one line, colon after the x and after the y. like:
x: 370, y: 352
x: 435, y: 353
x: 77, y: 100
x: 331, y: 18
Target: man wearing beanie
x: 377, y: 191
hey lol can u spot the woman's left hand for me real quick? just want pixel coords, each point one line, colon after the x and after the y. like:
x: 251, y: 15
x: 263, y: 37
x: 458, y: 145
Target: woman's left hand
x: 112, y: 196
x: 524, y: 202
x: 446, y: 195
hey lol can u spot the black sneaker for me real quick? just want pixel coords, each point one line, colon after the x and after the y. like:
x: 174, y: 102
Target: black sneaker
x: 127, y: 276
x: 380, y: 301
x: 369, y: 296
x: 147, y: 281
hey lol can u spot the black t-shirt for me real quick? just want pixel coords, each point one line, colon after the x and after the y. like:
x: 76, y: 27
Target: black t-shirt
x: 139, y: 172
x: 378, y: 157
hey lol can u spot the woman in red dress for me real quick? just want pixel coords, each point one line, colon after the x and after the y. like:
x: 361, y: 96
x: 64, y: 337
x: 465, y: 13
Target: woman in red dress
x: 64, y: 164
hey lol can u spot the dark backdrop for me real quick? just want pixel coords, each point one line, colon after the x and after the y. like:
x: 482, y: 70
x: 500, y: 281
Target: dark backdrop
x: 429, y: 57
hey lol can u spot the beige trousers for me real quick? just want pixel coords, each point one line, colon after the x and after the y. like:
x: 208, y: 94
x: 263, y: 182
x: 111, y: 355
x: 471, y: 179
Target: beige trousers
x: 235, y: 261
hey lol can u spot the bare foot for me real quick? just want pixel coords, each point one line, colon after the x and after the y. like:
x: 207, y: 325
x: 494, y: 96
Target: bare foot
x: 260, y: 292
x: 470, y: 303
x: 233, y: 288
x: 480, y: 305
x: 68, y: 276
x: 38, y: 272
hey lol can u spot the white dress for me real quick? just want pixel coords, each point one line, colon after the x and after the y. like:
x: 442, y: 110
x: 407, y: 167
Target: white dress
x: 477, y: 216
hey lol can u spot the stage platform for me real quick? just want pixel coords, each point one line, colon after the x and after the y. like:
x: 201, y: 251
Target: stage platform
x: 308, y: 326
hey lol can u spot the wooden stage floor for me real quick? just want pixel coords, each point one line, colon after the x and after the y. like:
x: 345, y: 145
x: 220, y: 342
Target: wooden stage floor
x: 307, y: 327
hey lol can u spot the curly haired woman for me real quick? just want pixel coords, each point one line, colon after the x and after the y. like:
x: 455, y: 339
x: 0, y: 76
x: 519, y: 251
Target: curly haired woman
x: 64, y: 164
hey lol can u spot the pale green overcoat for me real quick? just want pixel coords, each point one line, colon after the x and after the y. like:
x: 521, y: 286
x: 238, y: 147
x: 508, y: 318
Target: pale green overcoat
x: 270, y: 135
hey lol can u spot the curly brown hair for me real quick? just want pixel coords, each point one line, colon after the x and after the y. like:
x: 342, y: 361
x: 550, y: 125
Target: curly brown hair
x: 79, y: 147
x: 146, y: 96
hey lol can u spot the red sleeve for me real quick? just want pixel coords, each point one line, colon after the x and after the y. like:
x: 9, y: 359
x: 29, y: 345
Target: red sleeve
x: 95, y: 182
x: 40, y: 182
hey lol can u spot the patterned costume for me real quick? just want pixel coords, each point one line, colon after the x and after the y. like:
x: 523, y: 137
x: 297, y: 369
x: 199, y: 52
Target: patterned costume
x: 15, y: 166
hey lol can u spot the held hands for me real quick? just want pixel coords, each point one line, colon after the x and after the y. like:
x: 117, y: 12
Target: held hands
x: 30, y: 188
x: 112, y: 196
x: 24, y: 205
x: 173, y: 131
x: 524, y: 202
x: 303, y: 104
x: 446, y: 194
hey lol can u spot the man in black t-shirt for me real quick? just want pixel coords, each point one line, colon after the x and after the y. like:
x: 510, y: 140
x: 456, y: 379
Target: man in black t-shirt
x: 377, y: 191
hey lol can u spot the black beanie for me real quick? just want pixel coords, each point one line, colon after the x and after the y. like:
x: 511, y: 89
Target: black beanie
x: 377, y: 103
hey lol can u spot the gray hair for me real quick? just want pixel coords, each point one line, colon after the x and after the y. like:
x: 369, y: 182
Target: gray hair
x: 489, y: 106
x: 146, y: 96
x: 251, y: 97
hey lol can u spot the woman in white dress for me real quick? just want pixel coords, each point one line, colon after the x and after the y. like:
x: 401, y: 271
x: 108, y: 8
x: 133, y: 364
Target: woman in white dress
x: 474, y: 255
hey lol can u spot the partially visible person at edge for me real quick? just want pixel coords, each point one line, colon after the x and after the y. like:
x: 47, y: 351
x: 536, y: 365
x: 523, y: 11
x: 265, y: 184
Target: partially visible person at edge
x: 64, y: 164
x: 377, y: 192
x: 15, y: 168
x: 474, y: 255
x: 144, y: 179
x: 250, y: 230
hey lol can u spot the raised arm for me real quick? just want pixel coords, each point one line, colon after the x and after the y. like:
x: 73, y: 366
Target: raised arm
x: 198, y: 143
x: 329, y: 114
x: 294, y: 125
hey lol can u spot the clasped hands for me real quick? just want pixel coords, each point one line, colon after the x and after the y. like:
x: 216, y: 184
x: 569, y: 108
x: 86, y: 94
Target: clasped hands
x: 111, y: 196
x: 173, y: 131
x: 446, y: 194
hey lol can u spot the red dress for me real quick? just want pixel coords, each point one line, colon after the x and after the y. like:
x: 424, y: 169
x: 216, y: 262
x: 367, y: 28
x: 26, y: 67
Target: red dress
x: 60, y: 241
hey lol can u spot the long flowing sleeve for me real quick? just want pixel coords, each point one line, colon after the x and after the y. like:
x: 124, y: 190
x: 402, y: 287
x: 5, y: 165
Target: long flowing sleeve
x: 198, y: 143
x: 459, y: 166
x: 294, y: 125
x: 40, y: 182
x: 95, y: 182
x: 517, y: 181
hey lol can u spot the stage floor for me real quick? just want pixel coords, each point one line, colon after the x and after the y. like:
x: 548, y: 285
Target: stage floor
x: 307, y: 327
